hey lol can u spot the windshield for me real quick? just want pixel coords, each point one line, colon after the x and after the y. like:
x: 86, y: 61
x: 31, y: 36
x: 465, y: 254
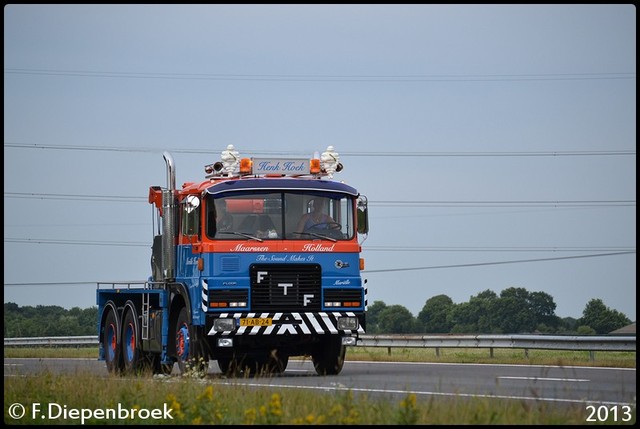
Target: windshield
x: 280, y: 215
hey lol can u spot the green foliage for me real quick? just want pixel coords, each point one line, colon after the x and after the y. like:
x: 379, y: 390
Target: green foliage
x: 396, y: 319
x: 434, y: 315
x: 191, y: 403
x: 586, y: 330
x: 48, y: 321
x: 373, y: 316
x: 514, y: 311
x: 601, y: 318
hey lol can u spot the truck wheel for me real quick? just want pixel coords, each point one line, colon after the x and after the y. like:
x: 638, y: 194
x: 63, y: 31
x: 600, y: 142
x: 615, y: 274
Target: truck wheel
x: 328, y: 357
x: 187, y: 355
x: 265, y: 363
x: 282, y: 363
x: 183, y: 340
x: 161, y: 368
x: 230, y: 367
x: 224, y: 364
x: 276, y: 362
x: 131, y: 353
x: 110, y: 340
x: 249, y: 366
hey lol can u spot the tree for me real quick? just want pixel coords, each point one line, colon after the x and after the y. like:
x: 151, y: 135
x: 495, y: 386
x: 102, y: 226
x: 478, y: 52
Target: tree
x: 477, y: 315
x: 518, y: 310
x: 483, y: 308
x: 601, y: 318
x: 463, y: 318
x: 50, y: 320
x: 397, y: 319
x: 434, y: 315
x: 373, y: 315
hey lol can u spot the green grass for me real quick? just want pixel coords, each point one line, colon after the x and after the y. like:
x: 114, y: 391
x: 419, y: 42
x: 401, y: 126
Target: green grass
x: 382, y: 354
x: 193, y: 400
x: 501, y: 356
x: 198, y: 401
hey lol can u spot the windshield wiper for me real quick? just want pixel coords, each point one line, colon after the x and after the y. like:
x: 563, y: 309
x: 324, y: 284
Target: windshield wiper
x: 242, y: 234
x: 315, y: 234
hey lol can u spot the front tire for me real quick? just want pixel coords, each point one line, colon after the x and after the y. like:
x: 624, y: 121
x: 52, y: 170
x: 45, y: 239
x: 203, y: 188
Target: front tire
x: 328, y: 357
x: 187, y: 355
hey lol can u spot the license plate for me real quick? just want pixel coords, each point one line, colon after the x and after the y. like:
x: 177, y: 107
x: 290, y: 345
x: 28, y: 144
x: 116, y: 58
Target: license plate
x: 256, y: 321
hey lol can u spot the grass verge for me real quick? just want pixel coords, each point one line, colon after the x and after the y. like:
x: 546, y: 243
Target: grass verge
x: 89, y: 399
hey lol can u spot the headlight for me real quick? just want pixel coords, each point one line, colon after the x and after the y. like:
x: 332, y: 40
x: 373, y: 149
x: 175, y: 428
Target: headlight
x: 225, y: 342
x: 221, y: 325
x: 348, y: 323
x: 349, y: 341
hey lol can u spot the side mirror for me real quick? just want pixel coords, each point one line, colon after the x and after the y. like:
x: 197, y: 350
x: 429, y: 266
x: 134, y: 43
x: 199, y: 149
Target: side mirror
x: 193, y: 202
x: 362, y: 214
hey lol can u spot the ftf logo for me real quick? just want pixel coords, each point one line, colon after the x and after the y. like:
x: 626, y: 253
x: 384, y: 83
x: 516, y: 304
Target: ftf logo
x: 263, y: 275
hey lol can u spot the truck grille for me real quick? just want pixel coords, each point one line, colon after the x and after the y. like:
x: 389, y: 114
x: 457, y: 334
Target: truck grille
x: 285, y: 287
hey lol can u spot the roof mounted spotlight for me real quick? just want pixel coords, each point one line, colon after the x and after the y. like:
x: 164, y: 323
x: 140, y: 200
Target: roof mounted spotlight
x: 214, y: 168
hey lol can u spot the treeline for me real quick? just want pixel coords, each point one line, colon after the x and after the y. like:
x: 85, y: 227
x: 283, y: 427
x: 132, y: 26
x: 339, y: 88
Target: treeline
x: 48, y: 321
x: 514, y: 311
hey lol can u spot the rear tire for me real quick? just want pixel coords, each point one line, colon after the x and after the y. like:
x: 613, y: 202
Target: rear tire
x: 111, y: 342
x: 131, y: 353
x: 328, y: 357
x: 161, y: 368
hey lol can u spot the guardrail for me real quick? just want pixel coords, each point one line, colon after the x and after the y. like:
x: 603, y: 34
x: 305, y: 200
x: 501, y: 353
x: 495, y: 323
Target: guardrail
x: 544, y: 342
x: 88, y: 340
x: 526, y: 342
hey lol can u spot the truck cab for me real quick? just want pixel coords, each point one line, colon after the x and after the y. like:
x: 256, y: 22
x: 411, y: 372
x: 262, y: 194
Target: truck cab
x: 257, y: 263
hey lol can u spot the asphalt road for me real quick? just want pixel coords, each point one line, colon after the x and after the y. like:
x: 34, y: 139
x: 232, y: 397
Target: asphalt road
x: 609, y: 387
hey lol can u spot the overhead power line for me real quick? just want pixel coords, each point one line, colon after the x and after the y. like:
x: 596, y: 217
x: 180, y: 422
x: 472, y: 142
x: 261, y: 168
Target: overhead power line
x: 383, y: 203
x: 324, y: 77
x: 376, y: 271
x: 505, y: 203
x: 46, y: 196
x: 75, y: 242
x: 498, y: 262
x: 67, y: 283
x: 498, y: 249
x: 365, y: 248
x: 392, y: 154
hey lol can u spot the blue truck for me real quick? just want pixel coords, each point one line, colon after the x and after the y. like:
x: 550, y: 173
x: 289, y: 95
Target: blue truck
x: 256, y: 263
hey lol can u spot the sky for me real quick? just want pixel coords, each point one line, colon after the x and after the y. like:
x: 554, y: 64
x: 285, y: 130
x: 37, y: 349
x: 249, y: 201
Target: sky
x: 495, y: 143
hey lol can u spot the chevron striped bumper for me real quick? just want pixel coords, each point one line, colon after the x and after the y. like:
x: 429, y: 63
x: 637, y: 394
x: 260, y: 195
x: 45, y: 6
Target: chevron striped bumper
x: 318, y: 323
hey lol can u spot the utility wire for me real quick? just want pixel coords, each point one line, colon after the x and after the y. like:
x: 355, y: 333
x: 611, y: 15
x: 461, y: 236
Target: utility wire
x: 357, y: 154
x: 375, y: 271
x: 366, y: 248
x: 323, y: 78
x: 68, y: 283
x: 383, y: 203
x: 75, y: 242
x: 497, y: 263
x: 497, y: 249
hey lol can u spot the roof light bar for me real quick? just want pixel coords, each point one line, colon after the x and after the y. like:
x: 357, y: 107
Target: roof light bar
x: 232, y: 165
